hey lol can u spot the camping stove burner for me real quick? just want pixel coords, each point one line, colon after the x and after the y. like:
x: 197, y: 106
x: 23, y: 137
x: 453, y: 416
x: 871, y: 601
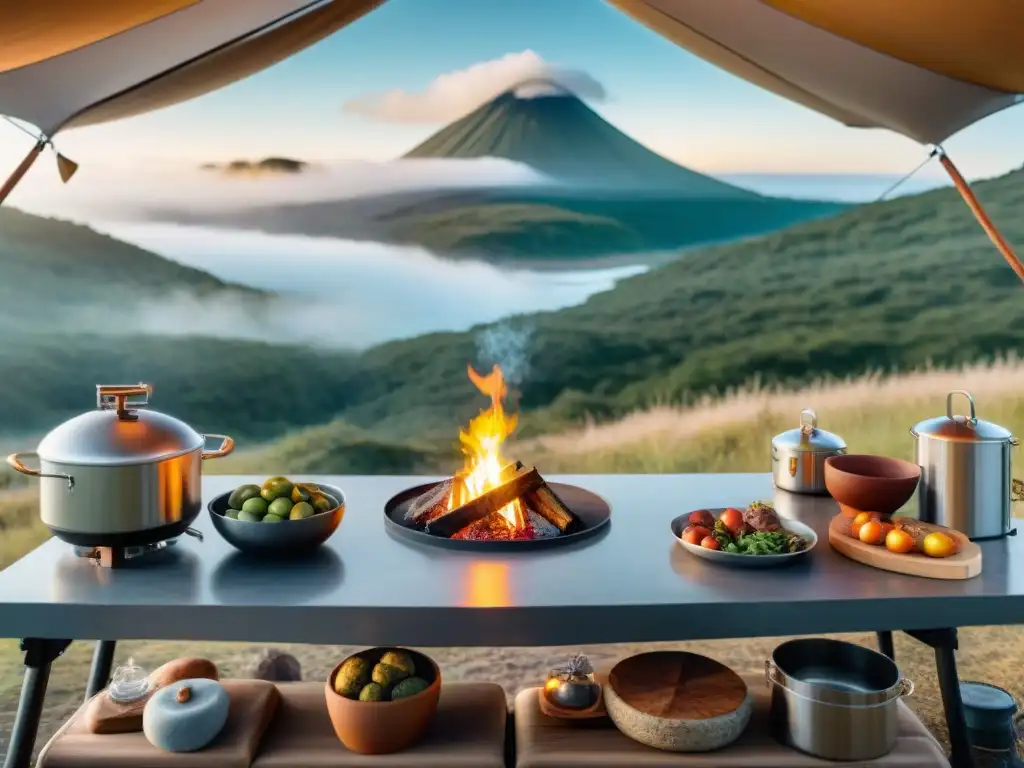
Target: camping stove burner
x: 117, y: 557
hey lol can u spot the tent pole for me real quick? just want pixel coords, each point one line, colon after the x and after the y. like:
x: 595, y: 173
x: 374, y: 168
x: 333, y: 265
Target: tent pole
x: 21, y: 170
x: 979, y: 213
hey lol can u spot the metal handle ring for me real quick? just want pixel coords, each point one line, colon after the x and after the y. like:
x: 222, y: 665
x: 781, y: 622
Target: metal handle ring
x: 906, y: 687
x: 972, y: 419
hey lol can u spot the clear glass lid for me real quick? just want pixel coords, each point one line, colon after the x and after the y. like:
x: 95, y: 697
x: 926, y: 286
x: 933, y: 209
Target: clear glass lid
x: 130, y: 683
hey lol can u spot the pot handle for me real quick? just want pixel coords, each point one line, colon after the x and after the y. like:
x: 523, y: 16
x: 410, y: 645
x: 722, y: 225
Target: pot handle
x: 769, y: 674
x: 15, y: 463
x: 906, y: 687
x: 973, y: 418
x: 227, y: 445
x: 808, y: 421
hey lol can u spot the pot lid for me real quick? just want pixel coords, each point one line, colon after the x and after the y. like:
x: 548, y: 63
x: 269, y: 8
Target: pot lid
x: 967, y: 428
x: 807, y: 437
x: 119, y: 433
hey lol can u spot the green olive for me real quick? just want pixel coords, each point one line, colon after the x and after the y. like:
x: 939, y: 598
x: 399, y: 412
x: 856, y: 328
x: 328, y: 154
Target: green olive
x: 249, y: 517
x: 299, y: 494
x: 255, y: 506
x: 272, y: 519
x: 280, y: 507
x: 241, y: 494
x: 281, y: 489
x: 301, y: 511
x: 321, y: 503
x: 232, y: 513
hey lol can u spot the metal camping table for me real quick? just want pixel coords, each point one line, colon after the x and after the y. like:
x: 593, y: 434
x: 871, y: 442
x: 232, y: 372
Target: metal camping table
x: 632, y: 583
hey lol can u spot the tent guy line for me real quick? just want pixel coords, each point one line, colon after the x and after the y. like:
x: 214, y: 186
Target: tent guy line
x: 865, y: 63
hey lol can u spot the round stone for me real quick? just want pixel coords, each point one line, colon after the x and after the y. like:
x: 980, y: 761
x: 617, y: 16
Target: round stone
x: 186, y: 715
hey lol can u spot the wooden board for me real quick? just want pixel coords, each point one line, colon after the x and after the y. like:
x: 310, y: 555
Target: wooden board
x: 678, y: 685
x: 550, y: 709
x: 965, y: 564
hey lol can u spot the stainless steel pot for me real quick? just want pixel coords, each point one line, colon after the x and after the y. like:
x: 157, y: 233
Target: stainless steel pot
x: 835, y: 700
x: 798, y: 455
x: 966, y: 472
x: 120, y: 476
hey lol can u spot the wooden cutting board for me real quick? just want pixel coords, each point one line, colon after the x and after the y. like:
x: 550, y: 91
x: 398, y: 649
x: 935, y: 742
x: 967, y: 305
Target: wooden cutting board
x: 965, y: 564
x: 678, y: 685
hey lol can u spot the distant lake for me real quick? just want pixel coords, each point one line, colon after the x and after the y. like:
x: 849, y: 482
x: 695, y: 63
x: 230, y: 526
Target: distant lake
x: 359, y: 294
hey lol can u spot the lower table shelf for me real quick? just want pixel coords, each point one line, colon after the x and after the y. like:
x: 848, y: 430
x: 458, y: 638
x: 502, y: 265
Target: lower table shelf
x: 469, y: 731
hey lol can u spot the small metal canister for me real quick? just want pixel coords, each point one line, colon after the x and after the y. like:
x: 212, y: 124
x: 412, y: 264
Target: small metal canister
x: 798, y: 455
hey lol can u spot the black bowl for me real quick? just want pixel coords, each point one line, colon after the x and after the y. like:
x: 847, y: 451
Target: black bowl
x: 290, y: 537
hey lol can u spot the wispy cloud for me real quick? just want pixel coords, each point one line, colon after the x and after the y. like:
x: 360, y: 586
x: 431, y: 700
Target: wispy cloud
x: 454, y: 94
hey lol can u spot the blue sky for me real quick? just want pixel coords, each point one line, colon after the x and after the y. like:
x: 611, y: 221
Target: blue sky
x: 671, y: 101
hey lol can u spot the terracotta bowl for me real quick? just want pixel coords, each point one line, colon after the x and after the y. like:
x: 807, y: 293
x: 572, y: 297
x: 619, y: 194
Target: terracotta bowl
x: 383, y: 727
x: 865, y: 483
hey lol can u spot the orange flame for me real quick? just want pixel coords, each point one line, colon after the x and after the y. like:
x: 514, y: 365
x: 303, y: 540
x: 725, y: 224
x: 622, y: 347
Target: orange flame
x: 481, y: 443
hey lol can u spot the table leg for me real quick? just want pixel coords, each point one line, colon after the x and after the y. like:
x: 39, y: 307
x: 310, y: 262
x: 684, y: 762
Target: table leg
x: 944, y: 643
x: 99, y: 673
x: 885, y: 644
x: 39, y: 655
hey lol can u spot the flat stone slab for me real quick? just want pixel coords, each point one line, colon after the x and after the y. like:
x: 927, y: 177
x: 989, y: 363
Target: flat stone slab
x: 468, y: 731
x: 542, y: 742
x: 252, y: 705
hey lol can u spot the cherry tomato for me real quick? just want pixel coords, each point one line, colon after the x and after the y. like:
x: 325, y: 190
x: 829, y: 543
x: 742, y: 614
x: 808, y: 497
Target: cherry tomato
x: 710, y: 542
x: 732, y: 519
x: 695, y: 534
x: 703, y: 518
x: 871, y: 533
x: 899, y: 541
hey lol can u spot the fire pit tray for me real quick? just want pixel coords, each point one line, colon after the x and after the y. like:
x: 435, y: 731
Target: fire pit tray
x: 594, y: 512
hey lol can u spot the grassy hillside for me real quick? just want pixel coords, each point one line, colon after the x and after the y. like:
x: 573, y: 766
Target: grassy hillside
x: 892, y: 285
x: 50, y: 268
x: 889, y: 286
x: 526, y: 223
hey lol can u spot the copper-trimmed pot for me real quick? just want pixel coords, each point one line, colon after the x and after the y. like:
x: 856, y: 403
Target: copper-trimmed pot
x: 120, y: 475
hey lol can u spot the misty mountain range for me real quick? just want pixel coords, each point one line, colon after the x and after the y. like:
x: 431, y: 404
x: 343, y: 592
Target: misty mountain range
x: 608, y: 194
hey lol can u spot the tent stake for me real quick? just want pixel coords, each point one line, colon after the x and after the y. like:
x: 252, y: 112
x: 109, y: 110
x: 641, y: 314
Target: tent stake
x: 21, y: 170
x: 979, y: 213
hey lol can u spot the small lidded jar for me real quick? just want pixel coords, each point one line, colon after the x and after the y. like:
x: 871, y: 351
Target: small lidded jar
x: 130, y: 683
x: 573, y: 686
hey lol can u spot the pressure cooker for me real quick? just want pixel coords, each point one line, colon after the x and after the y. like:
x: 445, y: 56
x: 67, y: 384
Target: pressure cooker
x: 121, y: 475
x: 966, y: 472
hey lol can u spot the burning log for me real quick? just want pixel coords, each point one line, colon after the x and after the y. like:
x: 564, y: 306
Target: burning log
x: 452, y: 521
x: 545, y: 502
x: 429, y: 505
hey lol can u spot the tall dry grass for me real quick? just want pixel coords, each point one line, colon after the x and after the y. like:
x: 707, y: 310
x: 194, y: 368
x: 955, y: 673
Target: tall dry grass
x: 733, y: 433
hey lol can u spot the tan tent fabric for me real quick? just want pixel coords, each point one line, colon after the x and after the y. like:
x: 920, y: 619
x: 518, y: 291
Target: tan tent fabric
x: 842, y: 79
x: 229, y: 64
x: 48, y: 93
x: 34, y: 30
x: 979, y: 41
x: 672, y: 29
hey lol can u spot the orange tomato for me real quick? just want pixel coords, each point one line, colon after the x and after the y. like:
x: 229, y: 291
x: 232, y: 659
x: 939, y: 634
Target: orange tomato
x: 695, y: 534
x: 938, y: 544
x: 899, y: 541
x: 886, y: 527
x: 871, y: 532
x: 855, y: 529
x: 710, y: 542
x: 732, y: 519
x: 864, y: 517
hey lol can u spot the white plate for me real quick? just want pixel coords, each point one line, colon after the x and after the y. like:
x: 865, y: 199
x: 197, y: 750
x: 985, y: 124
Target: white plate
x: 746, y: 561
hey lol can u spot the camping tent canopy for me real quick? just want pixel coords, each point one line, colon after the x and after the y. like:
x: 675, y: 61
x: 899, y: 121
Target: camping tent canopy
x: 922, y: 68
